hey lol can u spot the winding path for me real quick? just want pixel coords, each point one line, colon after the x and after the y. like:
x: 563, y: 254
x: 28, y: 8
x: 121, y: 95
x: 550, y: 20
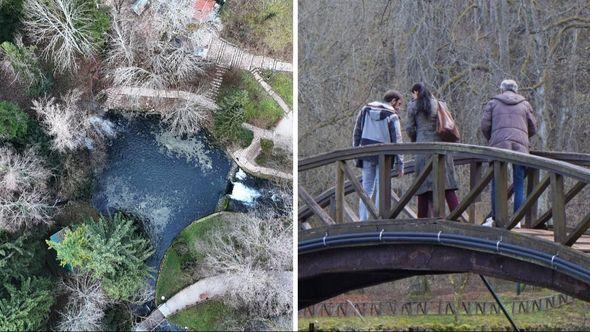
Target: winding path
x: 200, y: 291
x: 281, y: 135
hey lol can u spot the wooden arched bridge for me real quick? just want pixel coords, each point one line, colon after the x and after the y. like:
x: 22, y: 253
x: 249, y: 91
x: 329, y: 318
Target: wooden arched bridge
x: 338, y: 254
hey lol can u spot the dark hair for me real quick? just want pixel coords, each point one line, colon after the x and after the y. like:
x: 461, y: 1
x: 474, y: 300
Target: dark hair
x: 423, y: 100
x: 391, y: 95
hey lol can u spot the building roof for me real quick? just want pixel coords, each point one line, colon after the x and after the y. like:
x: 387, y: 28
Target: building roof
x: 203, y: 9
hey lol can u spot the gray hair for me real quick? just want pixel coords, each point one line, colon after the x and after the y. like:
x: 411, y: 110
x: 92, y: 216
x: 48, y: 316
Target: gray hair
x: 509, y: 85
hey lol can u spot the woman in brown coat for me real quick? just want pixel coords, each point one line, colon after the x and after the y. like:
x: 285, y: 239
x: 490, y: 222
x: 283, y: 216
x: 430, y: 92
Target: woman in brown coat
x: 421, y: 127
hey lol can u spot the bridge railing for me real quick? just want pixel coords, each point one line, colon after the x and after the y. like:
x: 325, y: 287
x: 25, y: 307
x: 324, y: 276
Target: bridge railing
x: 557, y: 167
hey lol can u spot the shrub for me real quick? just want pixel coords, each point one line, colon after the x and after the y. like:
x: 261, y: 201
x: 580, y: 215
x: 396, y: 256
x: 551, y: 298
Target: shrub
x: 13, y: 121
x: 111, y: 251
x: 24, y: 66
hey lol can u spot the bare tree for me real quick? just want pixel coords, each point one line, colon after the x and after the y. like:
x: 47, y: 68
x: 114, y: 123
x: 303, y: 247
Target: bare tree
x: 257, y: 254
x: 156, y: 55
x: 21, y: 172
x: 184, y: 118
x: 62, y: 121
x: 64, y: 27
x: 87, y: 301
x: 23, y: 191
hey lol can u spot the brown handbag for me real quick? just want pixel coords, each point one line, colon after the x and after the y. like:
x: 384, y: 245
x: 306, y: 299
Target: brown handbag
x: 446, y: 127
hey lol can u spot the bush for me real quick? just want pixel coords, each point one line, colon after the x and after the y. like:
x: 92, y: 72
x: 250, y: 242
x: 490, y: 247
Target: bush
x: 112, y: 251
x: 13, y: 121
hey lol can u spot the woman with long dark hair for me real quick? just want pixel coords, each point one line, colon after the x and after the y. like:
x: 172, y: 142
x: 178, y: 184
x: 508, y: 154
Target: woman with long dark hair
x: 421, y: 127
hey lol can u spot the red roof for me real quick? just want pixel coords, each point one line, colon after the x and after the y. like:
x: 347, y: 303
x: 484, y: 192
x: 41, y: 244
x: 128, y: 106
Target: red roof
x: 203, y: 9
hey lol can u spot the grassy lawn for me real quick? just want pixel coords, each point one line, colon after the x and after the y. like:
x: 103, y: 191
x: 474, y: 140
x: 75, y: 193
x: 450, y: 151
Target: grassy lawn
x: 260, y: 109
x: 264, y: 27
x: 575, y: 316
x: 281, y: 83
x: 208, y: 316
x: 179, y: 269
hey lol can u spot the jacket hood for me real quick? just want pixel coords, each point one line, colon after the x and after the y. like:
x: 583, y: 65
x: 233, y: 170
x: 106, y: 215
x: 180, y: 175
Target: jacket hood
x: 379, y: 111
x: 509, y: 98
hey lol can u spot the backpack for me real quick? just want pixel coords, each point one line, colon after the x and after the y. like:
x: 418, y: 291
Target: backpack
x: 446, y: 127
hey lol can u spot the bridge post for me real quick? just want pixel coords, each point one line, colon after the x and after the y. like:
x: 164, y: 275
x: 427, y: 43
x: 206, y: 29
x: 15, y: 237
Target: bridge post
x: 438, y: 190
x: 501, y: 198
x: 558, y: 208
x: 385, y: 162
x: 532, y: 181
x: 339, y: 193
x: 475, y: 169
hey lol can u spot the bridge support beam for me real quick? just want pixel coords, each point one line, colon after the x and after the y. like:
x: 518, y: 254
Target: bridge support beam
x: 501, y: 199
x: 558, y: 208
x: 385, y: 162
x: 438, y: 191
x: 533, y: 177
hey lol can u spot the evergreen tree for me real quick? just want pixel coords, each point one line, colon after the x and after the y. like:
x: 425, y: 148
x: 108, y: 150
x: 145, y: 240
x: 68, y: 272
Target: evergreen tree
x: 112, y: 251
x: 25, y: 307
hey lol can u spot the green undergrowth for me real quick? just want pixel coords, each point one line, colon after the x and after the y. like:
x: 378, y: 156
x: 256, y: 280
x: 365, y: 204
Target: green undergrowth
x: 575, y: 316
x: 259, y: 107
x: 281, y: 83
x: 180, y: 268
x: 208, y: 316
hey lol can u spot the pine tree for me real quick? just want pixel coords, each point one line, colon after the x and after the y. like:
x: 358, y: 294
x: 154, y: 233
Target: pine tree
x: 112, y: 251
x: 25, y: 307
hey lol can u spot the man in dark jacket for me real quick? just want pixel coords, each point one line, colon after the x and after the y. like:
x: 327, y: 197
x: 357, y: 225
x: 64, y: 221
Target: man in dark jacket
x: 377, y: 122
x: 508, y: 123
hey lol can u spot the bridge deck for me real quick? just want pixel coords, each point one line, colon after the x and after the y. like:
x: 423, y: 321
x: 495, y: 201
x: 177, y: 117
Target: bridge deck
x: 582, y: 244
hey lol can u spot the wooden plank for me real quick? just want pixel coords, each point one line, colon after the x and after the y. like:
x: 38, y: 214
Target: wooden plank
x: 359, y: 190
x: 339, y: 193
x: 384, y: 199
x: 407, y: 210
x: 558, y: 208
x: 533, y: 175
x: 324, y: 217
x: 531, y: 200
x: 403, y: 201
x: 472, y: 195
x: 578, y: 231
x: 349, y: 214
x: 568, y: 197
x: 501, y: 199
x: 438, y: 189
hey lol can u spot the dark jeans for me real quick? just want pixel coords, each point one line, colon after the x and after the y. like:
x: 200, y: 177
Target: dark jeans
x: 425, y: 203
x: 518, y: 172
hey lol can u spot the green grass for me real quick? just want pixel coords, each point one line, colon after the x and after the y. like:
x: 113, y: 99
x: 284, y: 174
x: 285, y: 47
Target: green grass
x: 208, y: 316
x: 575, y: 316
x: 177, y: 271
x: 281, y: 83
x: 259, y: 109
x: 173, y: 277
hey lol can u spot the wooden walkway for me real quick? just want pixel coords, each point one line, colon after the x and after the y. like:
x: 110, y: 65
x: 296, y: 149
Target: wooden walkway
x: 582, y: 244
x: 226, y: 54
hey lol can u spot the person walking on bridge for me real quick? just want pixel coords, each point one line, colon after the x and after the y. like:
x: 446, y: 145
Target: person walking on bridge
x: 508, y: 123
x: 421, y: 127
x: 377, y: 122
